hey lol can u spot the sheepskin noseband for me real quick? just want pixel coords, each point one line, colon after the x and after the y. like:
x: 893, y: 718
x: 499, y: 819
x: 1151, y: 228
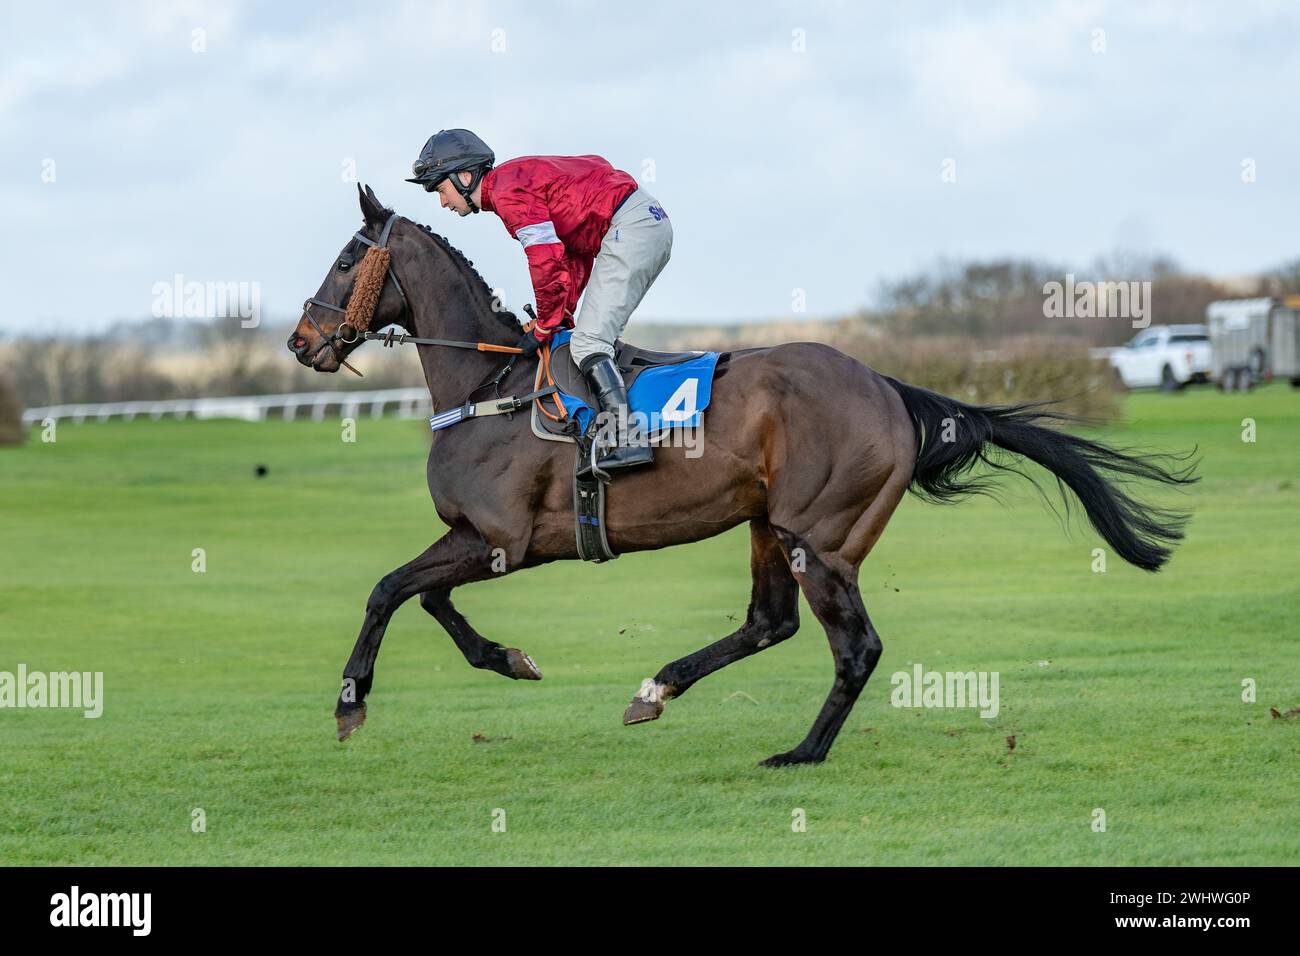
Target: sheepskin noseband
x: 367, y: 287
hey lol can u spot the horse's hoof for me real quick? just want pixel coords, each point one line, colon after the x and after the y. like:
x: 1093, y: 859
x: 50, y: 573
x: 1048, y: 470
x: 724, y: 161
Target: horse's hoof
x: 789, y: 759
x: 648, y: 703
x: 350, y: 721
x: 639, y: 711
x: 522, y: 667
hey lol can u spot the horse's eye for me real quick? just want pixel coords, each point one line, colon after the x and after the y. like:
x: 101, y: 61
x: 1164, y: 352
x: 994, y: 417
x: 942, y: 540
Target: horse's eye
x: 345, y: 262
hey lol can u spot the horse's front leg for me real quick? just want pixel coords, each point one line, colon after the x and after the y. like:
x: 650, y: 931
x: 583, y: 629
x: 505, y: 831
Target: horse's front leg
x: 460, y: 556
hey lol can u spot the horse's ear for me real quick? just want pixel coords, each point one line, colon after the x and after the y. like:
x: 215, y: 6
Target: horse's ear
x: 372, y: 210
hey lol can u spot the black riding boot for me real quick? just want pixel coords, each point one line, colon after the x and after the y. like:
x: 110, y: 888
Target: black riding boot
x: 607, y: 386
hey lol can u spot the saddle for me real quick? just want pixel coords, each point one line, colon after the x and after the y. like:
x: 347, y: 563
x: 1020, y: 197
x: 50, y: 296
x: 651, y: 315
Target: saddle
x: 560, y: 370
x: 670, y: 389
x: 666, y: 391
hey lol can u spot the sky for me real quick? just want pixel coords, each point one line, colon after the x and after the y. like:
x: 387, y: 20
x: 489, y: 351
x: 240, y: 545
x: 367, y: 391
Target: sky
x: 806, y: 152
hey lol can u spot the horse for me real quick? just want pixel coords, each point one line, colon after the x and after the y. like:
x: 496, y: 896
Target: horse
x: 813, y: 449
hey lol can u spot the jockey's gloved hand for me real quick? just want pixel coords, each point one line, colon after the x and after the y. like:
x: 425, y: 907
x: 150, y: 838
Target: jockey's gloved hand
x: 529, y: 344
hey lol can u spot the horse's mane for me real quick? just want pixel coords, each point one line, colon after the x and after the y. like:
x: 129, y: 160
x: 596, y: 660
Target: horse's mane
x: 467, y: 269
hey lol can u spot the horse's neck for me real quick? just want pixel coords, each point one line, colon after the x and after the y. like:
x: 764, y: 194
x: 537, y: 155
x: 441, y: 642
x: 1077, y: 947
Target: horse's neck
x: 458, y: 313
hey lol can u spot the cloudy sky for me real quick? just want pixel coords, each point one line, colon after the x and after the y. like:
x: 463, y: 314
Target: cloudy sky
x: 796, y: 146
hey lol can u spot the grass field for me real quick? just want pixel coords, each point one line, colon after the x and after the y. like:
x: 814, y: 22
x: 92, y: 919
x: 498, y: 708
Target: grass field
x: 1123, y: 690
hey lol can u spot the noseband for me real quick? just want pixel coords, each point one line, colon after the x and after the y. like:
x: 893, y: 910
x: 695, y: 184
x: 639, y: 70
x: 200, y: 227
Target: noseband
x: 356, y: 331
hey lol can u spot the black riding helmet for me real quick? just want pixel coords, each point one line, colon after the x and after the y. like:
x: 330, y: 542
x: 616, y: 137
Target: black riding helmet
x: 452, y: 151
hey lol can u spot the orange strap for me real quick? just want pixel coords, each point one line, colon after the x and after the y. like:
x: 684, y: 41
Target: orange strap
x: 544, y: 373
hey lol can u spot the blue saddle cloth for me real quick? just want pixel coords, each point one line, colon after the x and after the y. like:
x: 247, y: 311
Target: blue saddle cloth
x: 668, y: 396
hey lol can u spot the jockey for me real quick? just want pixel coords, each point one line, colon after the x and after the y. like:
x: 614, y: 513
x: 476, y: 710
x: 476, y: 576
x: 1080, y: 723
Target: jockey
x: 583, y: 225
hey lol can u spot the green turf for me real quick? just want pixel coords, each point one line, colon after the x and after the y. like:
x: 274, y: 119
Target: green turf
x: 1123, y: 690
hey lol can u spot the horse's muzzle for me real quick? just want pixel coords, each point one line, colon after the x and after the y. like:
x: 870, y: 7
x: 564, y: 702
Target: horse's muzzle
x: 308, y: 355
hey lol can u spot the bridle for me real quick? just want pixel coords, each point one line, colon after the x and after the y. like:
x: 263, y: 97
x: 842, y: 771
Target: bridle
x: 354, y: 334
x: 361, y: 331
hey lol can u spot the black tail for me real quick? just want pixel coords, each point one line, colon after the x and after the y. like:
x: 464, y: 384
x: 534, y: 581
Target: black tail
x: 952, y: 437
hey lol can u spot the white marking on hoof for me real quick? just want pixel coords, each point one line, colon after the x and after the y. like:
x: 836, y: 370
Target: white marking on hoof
x: 648, y: 703
x: 651, y: 692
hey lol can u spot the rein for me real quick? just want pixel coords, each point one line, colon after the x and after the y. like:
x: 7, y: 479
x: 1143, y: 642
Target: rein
x: 389, y: 340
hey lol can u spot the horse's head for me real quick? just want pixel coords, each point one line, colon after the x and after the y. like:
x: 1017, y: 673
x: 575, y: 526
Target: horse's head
x: 360, y: 293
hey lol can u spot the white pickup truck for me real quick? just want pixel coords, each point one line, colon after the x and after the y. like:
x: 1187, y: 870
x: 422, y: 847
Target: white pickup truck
x: 1168, y: 356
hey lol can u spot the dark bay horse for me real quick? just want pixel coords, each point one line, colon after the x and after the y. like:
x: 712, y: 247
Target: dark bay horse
x: 810, y: 447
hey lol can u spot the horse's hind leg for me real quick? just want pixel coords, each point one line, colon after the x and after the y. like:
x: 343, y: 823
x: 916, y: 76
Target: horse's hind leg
x: 773, y: 616
x: 831, y: 587
x: 478, y: 650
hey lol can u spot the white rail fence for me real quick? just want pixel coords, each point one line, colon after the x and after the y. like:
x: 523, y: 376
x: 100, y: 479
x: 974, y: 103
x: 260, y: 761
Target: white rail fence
x: 408, y: 403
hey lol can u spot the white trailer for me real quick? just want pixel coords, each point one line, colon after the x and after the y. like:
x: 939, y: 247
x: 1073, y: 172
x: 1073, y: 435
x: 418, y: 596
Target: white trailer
x: 1253, y: 340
